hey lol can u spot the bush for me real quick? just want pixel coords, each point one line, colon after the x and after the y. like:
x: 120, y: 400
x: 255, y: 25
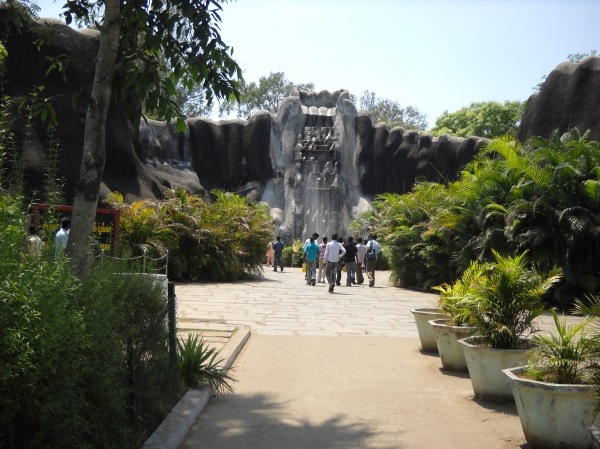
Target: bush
x: 542, y: 196
x: 287, y: 255
x: 82, y: 364
x: 213, y: 241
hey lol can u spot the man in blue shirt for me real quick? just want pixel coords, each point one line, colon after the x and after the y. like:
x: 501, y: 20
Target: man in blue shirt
x: 373, y: 251
x: 311, y: 249
x: 278, y: 247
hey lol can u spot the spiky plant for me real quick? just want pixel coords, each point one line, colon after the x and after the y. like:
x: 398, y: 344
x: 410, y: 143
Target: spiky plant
x: 505, y: 300
x: 199, y: 364
x: 564, y: 356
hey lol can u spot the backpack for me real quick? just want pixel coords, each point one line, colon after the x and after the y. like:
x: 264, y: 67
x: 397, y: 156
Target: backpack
x: 371, y: 252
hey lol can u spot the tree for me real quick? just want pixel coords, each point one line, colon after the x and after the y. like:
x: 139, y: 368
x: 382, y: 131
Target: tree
x: 485, y: 119
x: 266, y: 95
x: 131, y: 68
x: 388, y: 111
x: 573, y: 57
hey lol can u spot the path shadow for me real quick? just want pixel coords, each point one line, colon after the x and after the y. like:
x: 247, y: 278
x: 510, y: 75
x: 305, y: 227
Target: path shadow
x: 255, y: 421
x: 454, y: 374
x: 507, y: 408
x: 429, y: 353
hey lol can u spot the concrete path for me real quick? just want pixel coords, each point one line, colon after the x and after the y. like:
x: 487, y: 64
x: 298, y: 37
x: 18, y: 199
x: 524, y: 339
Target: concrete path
x: 308, y: 378
x: 282, y: 304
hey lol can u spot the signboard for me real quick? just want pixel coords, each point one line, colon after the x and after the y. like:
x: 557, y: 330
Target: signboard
x: 106, y: 223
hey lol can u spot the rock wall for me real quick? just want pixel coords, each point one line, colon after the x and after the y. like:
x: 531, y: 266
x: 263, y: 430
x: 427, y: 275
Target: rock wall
x: 268, y: 158
x: 568, y: 99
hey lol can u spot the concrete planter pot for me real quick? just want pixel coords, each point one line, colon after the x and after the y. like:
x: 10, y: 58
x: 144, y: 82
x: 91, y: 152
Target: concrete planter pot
x: 485, y: 369
x: 426, y: 335
x: 451, y: 352
x: 553, y: 416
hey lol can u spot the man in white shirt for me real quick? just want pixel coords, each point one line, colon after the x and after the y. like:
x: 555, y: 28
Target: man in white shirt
x: 62, y: 236
x: 333, y: 251
x: 361, y: 253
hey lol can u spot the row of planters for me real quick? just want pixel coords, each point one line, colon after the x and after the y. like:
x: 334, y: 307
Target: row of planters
x: 485, y: 325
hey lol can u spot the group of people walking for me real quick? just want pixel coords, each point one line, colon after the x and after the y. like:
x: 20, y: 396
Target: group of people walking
x: 330, y: 257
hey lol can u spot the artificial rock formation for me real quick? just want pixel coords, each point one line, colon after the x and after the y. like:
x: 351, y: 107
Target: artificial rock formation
x: 317, y: 162
x: 568, y: 99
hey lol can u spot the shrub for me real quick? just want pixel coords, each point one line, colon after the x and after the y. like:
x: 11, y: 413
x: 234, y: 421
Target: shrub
x: 213, y: 241
x: 564, y: 356
x: 287, y: 255
x: 82, y: 364
x: 542, y: 196
x: 199, y: 363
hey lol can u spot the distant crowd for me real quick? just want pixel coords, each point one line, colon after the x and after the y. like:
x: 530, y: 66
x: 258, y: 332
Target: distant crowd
x: 327, y: 261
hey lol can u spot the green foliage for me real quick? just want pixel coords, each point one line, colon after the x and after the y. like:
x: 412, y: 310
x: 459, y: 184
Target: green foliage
x: 451, y: 296
x: 383, y: 259
x: 199, y: 363
x: 267, y: 95
x: 216, y: 241
x: 501, y: 298
x: 543, y: 196
x: 163, y: 45
x: 82, y: 364
x: 390, y: 112
x: 485, y: 119
x: 564, y: 356
x: 297, y: 255
x: 287, y: 256
x: 591, y: 309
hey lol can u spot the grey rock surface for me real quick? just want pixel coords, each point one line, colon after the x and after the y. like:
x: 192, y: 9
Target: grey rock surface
x: 568, y: 99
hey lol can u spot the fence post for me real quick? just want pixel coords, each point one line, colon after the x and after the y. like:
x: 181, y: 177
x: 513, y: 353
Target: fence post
x: 172, y: 318
x: 144, y: 262
x: 167, y: 267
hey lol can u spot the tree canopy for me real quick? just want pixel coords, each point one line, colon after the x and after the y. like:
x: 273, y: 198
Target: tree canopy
x: 147, y: 48
x: 163, y: 45
x: 267, y: 95
x: 484, y: 119
x: 391, y: 112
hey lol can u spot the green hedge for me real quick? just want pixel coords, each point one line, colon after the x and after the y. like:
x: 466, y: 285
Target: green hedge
x: 82, y: 365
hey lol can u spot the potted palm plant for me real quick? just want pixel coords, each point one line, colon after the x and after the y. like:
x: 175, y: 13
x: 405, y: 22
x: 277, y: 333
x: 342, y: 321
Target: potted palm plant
x: 426, y: 336
x: 555, y: 396
x: 502, y: 303
x: 455, y: 326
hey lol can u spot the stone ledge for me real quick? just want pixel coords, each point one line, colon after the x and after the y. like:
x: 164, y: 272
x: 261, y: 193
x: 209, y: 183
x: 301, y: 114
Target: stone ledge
x: 173, y: 430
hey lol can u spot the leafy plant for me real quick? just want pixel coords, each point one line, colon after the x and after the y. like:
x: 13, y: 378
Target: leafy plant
x: 217, y: 241
x: 564, y: 357
x: 542, y: 196
x: 504, y: 300
x: 199, y: 363
x: 452, y: 296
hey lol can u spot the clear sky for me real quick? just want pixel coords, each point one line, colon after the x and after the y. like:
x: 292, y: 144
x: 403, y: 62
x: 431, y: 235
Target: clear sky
x: 434, y: 55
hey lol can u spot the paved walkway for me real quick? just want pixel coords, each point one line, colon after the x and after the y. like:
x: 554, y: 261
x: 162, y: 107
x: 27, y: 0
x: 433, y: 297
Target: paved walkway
x: 281, y: 304
x: 307, y: 379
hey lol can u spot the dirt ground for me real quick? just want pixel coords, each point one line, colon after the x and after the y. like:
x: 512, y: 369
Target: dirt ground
x: 350, y: 392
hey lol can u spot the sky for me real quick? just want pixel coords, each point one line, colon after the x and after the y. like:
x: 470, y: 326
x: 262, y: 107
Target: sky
x: 435, y: 55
